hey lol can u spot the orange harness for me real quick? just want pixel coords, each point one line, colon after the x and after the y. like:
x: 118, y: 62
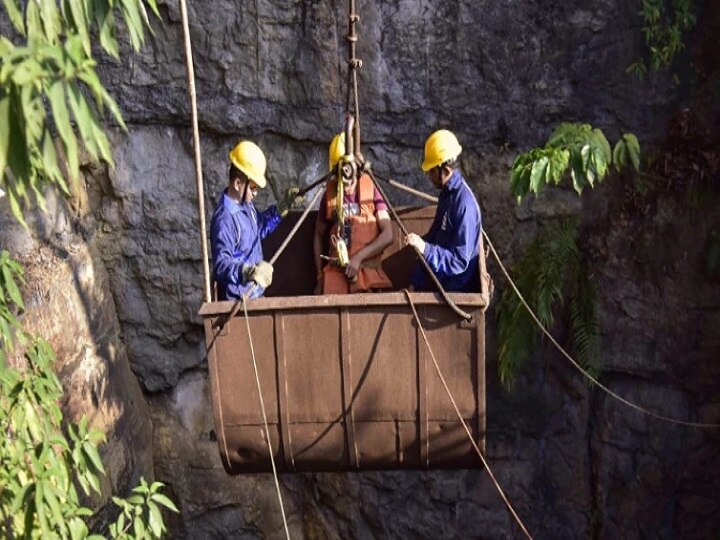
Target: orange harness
x: 363, y: 230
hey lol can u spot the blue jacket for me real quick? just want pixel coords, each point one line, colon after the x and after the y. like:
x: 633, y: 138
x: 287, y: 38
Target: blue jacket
x: 451, y: 245
x: 236, y: 231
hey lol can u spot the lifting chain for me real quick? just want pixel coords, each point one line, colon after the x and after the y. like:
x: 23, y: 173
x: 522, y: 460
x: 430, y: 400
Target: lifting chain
x: 352, y: 104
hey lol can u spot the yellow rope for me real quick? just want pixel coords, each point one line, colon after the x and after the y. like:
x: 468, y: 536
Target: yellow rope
x: 462, y: 420
x: 196, y: 148
x: 267, y: 430
x: 578, y: 366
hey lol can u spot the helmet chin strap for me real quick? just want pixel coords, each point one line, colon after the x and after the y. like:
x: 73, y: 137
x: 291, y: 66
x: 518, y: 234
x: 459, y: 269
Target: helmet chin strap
x: 245, y: 190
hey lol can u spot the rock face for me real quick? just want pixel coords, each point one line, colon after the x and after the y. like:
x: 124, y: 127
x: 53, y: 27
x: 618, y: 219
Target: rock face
x: 574, y: 462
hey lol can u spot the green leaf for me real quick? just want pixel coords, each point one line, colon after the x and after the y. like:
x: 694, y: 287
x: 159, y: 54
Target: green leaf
x: 27, y: 72
x: 56, y: 95
x: 620, y: 154
x: 121, y: 522
x: 139, y: 527
x: 585, y: 155
x: 633, y: 146
x: 94, y: 481
x: 84, y: 483
x: 33, y: 22
x: 21, y: 497
x: 154, y: 7
x: 95, y: 436
x: 15, y: 15
x: 136, y: 499
x: 50, y: 19
x: 95, y: 139
x: 165, y: 501
x: 92, y: 453
x: 537, y: 174
x: 105, y: 21
x: 600, y: 164
x: 12, y: 287
x: 156, y: 521
x: 30, y: 515
x: 50, y: 161
x: 40, y: 508
x: 4, y: 133
x: 101, y: 95
x: 560, y: 160
x: 602, y: 144
x: 54, y: 507
x: 134, y: 22
x: 78, y: 529
x: 577, y: 173
x: 17, y: 147
x: 79, y: 16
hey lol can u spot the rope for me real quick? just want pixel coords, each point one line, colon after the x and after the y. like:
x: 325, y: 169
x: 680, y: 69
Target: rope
x: 279, y: 251
x: 578, y: 366
x: 429, y: 270
x: 267, y: 429
x: 550, y: 337
x: 554, y: 341
x: 196, y: 146
x: 462, y: 420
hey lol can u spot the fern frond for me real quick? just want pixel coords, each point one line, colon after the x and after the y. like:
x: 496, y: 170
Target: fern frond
x: 584, y: 327
x: 550, y: 264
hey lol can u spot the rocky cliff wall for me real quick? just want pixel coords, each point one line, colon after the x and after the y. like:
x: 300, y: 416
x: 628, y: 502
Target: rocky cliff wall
x: 501, y: 75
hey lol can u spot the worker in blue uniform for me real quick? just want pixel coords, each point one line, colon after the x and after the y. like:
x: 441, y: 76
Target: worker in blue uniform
x: 237, y: 228
x: 451, y: 246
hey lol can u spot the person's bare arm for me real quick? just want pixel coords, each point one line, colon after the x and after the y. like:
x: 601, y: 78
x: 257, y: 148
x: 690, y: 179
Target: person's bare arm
x: 376, y: 247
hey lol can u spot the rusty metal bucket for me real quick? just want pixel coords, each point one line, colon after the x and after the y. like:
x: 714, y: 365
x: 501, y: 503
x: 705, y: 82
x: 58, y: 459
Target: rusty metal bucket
x: 347, y: 380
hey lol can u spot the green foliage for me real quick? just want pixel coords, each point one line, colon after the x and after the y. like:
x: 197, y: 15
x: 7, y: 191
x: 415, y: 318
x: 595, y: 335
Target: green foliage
x: 10, y: 274
x: 579, y: 148
x: 549, y: 271
x: 664, y: 23
x: 53, y: 70
x: 44, y: 81
x: 42, y: 464
x: 627, y: 149
x: 141, y: 516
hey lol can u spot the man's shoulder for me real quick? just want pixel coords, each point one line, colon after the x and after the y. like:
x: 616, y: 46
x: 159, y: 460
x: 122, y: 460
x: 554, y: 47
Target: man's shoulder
x: 465, y: 199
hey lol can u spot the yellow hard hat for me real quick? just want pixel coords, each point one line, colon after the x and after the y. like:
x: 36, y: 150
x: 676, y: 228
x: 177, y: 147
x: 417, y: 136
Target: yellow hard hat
x: 248, y: 157
x: 337, y: 150
x: 440, y: 147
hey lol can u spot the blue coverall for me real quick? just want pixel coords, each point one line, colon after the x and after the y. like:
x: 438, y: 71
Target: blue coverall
x: 451, y: 244
x: 236, y: 232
